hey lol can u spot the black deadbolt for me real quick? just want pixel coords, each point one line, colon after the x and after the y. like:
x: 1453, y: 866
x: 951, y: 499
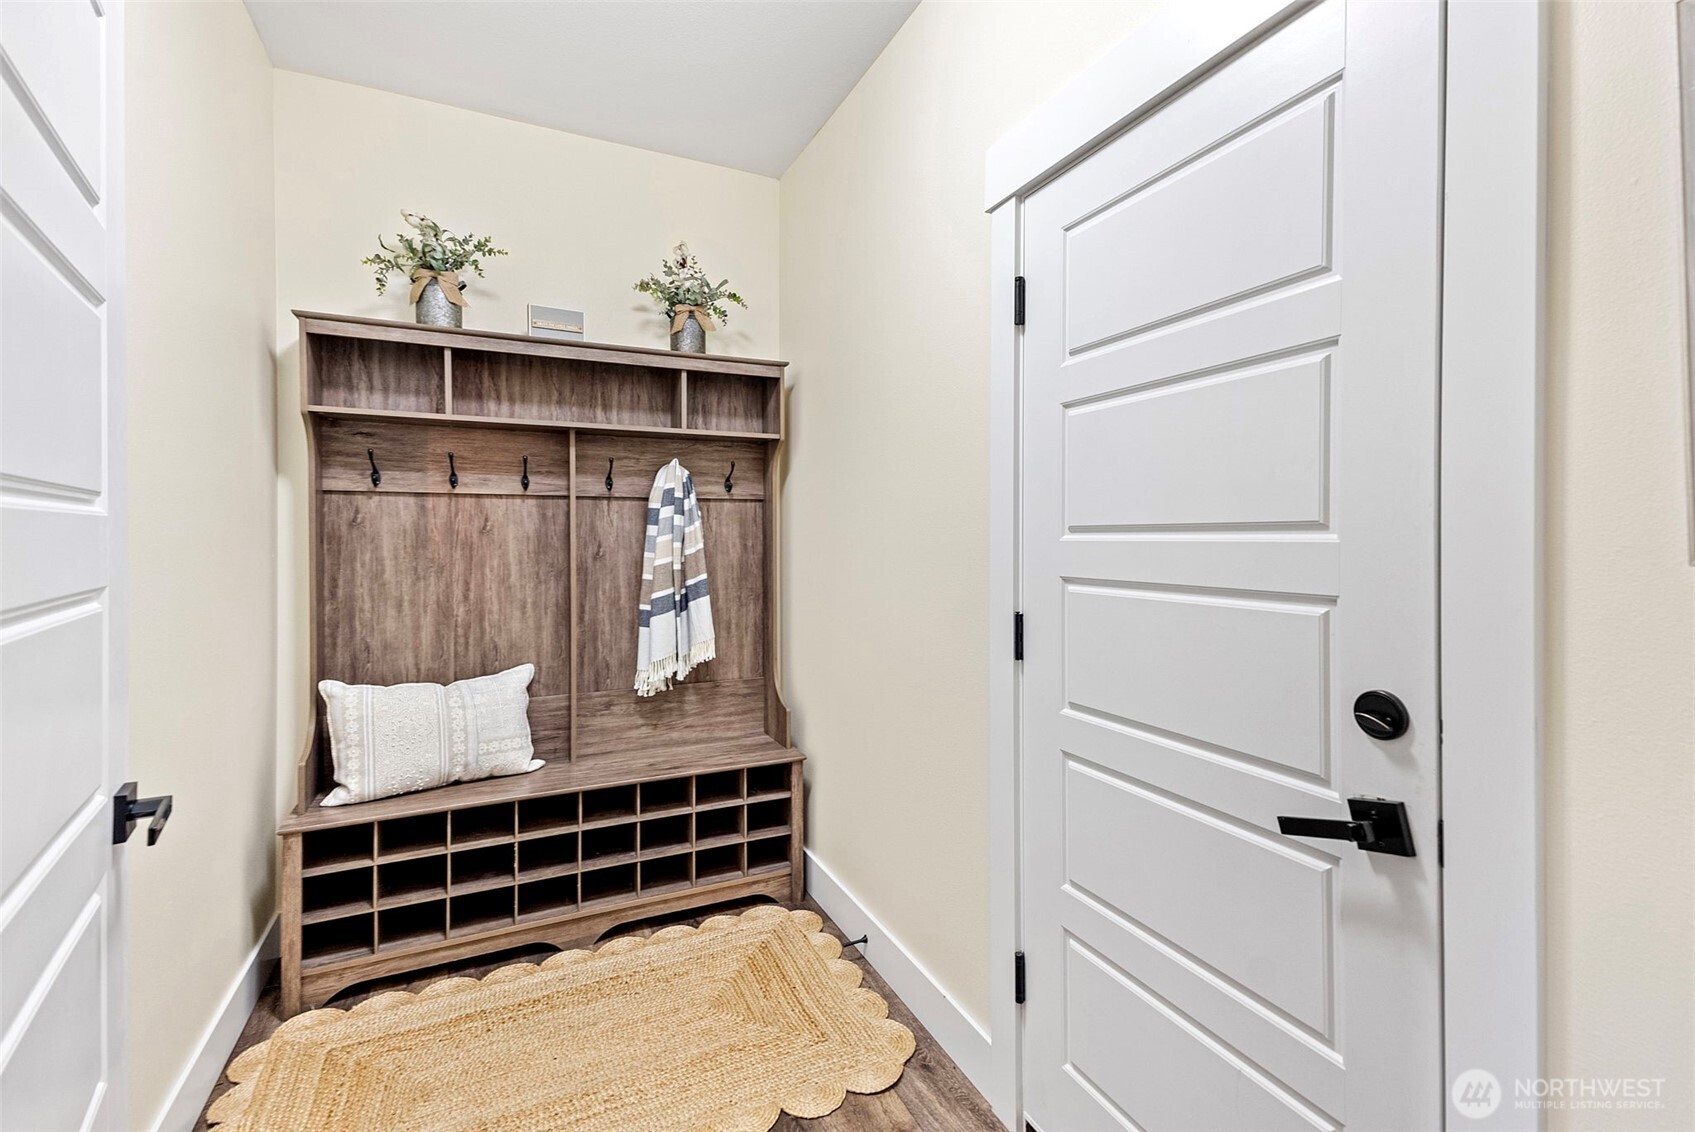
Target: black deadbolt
x: 1381, y: 714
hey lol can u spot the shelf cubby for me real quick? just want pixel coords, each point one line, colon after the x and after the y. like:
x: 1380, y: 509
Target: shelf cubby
x: 718, y: 789
x: 667, y: 795
x: 608, y: 841
x: 482, y: 868
x: 720, y: 863
x: 732, y: 403
x: 767, y: 781
x: 330, y: 896
x: 421, y: 833
x: 333, y: 941
x: 767, y: 818
x: 481, y: 911
x: 554, y: 896
x: 660, y: 835
x: 346, y: 846
x: 768, y: 854
x: 665, y: 874
x: 481, y: 825
x: 715, y: 825
x: 411, y: 924
x: 540, y: 816
x: 355, y: 373
x: 409, y: 881
x: 545, y: 856
x: 608, y: 883
x: 614, y: 804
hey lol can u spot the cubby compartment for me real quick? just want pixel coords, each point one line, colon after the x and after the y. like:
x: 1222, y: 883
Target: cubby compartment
x: 717, y: 864
x: 613, y: 804
x: 547, y: 815
x: 665, y: 796
x: 768, y: 855
x: 342, y: 847
x: 661, y: 835
x: 767, y: 780
x: 353, y: 373
x: 334, y: 895
x: 411, y: 924
x: 544, y: 856
x: 480, y: 911
x: 482, y: 868
x: 561, y: 389
x: 665, y: 874
x: 767, y: 817
x: 609, y: 884
x: 333, y: 940
x: 481, y: 825
x: 424, y: 833
x: 723, y: 825
x: 610, y: 841
x: 406, y: 882
x: 551, y: 897
x: 717, y: 789
x: 725, y: 402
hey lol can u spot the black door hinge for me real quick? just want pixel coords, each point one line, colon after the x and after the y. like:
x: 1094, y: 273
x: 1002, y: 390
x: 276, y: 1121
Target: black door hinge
x: 1018, y: 977
x: 1017, y: 636
x: 1441, y: 846
x: 1018, y: 300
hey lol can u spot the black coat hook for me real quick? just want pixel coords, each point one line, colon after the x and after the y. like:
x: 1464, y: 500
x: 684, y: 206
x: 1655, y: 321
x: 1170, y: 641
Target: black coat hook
x: 526, y: 479
x: 608, y: 475
x: 452, y: 472
x: 730, y: 480
x: 376, y: 476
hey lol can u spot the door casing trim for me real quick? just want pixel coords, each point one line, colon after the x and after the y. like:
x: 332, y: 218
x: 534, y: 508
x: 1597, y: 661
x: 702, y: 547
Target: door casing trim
x: 1491, y: 499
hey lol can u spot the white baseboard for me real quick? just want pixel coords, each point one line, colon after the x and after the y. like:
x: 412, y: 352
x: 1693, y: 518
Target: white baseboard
x: 956, y: 1031
x: 194, y: 1084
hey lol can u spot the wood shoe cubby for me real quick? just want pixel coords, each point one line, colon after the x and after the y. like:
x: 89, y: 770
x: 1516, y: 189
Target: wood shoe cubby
x: 527, y: 555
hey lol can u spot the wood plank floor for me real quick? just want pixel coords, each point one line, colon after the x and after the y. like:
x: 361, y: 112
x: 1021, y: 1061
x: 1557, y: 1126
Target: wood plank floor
x: 931, y: 1096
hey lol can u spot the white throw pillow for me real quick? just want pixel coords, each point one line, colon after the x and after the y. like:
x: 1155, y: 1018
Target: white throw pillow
x: 409, y: 737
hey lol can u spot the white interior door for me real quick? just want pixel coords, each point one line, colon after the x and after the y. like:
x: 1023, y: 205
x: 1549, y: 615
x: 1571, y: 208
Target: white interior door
x: 1228, y: 532
x: 61, y: 466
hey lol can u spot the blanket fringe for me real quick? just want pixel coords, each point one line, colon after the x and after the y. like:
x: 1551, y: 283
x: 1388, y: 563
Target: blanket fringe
x: 659, y: 676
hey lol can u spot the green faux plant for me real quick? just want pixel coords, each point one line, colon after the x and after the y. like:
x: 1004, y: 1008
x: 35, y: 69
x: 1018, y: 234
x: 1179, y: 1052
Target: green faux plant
x: 682, y: 283
x: 433, y: 248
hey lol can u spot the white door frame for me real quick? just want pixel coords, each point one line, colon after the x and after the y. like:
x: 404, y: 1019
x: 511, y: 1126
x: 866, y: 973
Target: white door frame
x: 1491, y: 521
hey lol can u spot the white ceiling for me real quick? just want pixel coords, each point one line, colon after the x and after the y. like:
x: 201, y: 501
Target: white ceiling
x: 743, y: 83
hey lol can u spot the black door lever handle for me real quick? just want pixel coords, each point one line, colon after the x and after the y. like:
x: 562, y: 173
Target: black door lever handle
x: 127, y: 809
x: 1378, y: 826
x: 1359, y: 832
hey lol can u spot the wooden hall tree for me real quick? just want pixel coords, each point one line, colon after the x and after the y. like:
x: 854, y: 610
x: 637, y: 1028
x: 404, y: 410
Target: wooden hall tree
x: 478, y: 502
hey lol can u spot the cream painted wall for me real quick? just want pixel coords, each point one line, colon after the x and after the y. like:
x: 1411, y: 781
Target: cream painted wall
x: 1620, y: 777
x: 202, y: 542
x: 885, y: 321
x: 583, y: 219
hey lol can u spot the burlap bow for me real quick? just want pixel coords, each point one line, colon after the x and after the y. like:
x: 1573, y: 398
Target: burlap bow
x: 448, y: 281
x: 681, y: 316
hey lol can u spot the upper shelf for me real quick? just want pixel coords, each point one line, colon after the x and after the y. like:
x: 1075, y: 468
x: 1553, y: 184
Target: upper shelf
x: 383, y: 330
x: 353, y: 367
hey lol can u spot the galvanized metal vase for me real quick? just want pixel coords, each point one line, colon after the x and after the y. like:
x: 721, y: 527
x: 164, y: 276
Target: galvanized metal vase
x: 691, y: 339
x: 434, y: 310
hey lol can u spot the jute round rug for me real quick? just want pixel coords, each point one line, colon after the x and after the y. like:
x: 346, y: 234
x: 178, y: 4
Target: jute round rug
x: 719, y: 1028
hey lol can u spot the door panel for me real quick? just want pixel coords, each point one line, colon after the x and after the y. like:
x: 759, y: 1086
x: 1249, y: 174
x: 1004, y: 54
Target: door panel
x: 1257, y: 211
x: 1245, y: 449
x: 62, y: 720
x: 1227, y: 484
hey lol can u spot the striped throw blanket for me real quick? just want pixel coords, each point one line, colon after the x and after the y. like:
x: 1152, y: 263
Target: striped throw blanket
x: 676, y: 610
